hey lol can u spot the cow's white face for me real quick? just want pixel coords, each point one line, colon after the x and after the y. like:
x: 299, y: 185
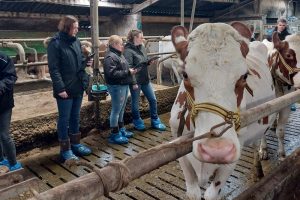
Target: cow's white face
x: 294, y: 43
x: 214, y: 64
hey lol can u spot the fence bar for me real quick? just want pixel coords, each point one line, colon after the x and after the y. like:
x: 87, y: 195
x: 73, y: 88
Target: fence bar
x: 90, y: 186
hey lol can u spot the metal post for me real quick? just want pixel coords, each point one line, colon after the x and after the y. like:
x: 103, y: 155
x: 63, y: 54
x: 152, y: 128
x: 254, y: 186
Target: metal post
x: 182, y: 13
x: 193, y: 15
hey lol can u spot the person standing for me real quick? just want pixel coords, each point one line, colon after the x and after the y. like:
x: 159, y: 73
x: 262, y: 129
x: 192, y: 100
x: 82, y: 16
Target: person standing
x: 118, y: 76
x: 66, y: 67
x: 135, y: 54
x: 281, y: 28
x: 8, y: 78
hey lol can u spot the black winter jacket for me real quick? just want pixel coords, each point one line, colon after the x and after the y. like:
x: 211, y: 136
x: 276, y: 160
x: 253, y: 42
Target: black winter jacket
x: 66, y: 65
x: 116, y: 68
x: 134, y: 56
x: 283, y: 34
x: 8, y: 78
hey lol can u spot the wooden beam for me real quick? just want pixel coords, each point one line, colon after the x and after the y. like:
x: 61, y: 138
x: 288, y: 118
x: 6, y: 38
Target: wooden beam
x: 139, y: 7
x: 171, y: 20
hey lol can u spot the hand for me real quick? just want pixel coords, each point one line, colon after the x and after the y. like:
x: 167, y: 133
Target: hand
x: 135, y: 86
x: 90, y: 62
x: 151, y: 62
x: 63, y: 95
x: 132, y: 71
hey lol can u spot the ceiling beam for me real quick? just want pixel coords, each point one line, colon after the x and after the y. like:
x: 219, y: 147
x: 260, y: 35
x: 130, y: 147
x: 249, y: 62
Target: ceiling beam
x: 171, y: 20
x: 86, y: 3
x: 139, y: 7
x: 223, y: 1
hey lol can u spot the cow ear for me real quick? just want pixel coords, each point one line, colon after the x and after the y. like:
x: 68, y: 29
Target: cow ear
x: 179, y: 36
x: 278, y: 44
x: 242, y: 29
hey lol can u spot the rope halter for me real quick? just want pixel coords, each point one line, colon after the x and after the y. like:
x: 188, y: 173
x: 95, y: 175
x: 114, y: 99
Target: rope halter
x: 228, y: 116
x: 287, y: 66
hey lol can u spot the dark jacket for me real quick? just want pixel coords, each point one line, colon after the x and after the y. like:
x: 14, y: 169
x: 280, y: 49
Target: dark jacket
x: 8, y: 78
x: 116, y: 68
x: 134, y: 56
x: 66, y: 65
x: 283, y: 34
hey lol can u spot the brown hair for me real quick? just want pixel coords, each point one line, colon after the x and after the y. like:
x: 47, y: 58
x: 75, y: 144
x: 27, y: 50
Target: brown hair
x: 132, y: 34
x: 65, y: 24
x: 114, y: 39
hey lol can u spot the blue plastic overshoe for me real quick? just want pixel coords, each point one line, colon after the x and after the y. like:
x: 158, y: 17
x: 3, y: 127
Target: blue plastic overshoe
x: 139, y: 124
x: 80, y: 150
x: 117, y: 138
x: 126, y: 133
x: 157, y: 124
x: 15, y: 167
x: 68, y: 155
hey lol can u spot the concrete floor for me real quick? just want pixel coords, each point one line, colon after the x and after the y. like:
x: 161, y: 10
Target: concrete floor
x: 165, y: 183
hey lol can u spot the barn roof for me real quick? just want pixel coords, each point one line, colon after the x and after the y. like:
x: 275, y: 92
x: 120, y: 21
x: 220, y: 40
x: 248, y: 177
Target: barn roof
x: 205, y: 8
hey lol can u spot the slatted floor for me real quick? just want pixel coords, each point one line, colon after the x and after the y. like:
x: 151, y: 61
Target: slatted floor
x: 167, y: 182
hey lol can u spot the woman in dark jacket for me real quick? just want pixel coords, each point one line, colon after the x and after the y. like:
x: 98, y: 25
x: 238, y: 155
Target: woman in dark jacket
x: 8, y: 78
x: 135, y: 54
x: 66, y: 66
x: 118, y: 76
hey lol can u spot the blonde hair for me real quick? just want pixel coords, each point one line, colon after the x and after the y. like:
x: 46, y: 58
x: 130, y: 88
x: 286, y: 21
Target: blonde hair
x: 114, y: 39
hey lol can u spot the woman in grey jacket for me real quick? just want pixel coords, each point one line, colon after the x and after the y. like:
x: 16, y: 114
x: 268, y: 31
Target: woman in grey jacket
x: 135, y: 54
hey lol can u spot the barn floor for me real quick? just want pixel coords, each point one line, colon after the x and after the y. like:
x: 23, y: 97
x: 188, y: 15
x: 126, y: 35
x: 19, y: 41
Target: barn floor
x: 165, y: 183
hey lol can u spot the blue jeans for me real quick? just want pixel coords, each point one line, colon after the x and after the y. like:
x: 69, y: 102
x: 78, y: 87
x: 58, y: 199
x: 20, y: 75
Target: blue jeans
x: 68, y: 116
x: 7, y: 145
x: 119, y: 95
x: 135, y: 100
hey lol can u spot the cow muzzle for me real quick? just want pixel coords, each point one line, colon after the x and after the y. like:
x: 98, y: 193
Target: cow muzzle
x: 217, y: 151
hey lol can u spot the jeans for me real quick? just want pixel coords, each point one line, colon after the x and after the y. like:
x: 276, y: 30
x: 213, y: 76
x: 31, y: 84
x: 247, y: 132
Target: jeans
x: 119, y: 95
x: 135, y: 100
x: 68, y: 116
x: 7, y: 145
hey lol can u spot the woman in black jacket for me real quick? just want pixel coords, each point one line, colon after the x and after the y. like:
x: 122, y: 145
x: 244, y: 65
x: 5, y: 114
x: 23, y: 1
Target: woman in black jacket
x: 8, y: 78
x: 66, y: 66
x: 136, y: 56
x: 118, y: 76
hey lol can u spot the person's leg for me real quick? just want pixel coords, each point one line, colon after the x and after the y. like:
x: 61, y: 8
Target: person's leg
x: 64, y: 111
x: 74, y: 134
x: 117, y: 94
x: 122, y: 128
x: 138, y: 123
x: 8, y: 144
x: 150, y: 95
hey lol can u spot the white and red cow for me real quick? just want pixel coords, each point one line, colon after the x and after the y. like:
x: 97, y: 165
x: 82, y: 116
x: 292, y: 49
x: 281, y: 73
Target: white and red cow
x: 212, y: 94
x: 283, y: 66
x: 294, y: 43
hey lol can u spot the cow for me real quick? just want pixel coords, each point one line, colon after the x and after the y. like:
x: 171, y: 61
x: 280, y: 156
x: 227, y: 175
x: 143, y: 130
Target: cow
x: 219, y: 82
x: 282, y: 62
x: 168, y: 61
x: 294, y: 43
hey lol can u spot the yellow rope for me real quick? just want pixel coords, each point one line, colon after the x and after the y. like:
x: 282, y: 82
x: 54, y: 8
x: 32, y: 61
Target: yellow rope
x: 287, y: 66
x: 213, y: 108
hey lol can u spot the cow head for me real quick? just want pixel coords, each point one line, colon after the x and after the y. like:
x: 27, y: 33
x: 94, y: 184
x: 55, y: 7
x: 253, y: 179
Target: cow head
x: 215, y: 65
x: 283, y: 61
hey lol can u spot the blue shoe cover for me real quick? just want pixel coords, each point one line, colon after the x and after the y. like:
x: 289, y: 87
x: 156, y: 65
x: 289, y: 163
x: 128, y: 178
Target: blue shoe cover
x: 139, y: 124
x: 4, y: 162
x: 80, y: 150
x: 117, y: 138
x: 68, y: 155
x: 293, y: 107
x: 15, y: 167
x: 126, y: 133
x: 157, y: 124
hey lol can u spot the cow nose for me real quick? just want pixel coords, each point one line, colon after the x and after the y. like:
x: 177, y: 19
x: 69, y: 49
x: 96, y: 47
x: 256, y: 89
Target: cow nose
x: 218, y: 152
